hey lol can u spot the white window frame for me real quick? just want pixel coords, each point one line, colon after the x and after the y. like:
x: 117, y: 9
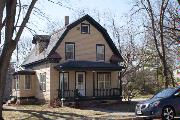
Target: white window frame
x: 104, y: 81
x: 42, y: 78
x: 85, y: 25
x: 17, y: 82
x: 70, y: 44
x: 30, y: 82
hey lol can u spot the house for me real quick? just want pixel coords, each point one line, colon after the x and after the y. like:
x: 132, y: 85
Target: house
x: 77, y: 62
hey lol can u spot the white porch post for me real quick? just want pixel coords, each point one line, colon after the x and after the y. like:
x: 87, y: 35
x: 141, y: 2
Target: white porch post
x: 62, y: 90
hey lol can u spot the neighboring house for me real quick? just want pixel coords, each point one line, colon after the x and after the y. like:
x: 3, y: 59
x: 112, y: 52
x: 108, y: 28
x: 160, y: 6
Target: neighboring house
x: 78, y: 61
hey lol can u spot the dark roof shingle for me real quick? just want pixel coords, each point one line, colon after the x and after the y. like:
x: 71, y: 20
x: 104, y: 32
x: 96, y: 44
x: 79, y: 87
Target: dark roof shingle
x: 88, y: 65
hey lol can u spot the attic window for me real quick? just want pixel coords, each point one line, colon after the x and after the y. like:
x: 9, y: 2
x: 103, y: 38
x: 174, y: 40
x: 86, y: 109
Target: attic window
x: 85, y: 28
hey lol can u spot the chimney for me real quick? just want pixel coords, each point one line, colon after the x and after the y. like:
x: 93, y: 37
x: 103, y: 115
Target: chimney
x: 66, y: 20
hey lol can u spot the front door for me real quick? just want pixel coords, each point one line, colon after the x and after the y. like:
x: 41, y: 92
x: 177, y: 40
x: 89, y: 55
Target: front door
x: 80, y: 82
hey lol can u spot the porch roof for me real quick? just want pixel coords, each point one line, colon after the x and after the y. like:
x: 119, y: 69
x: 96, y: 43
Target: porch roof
x: 88, y: 65
x: 24, y: 72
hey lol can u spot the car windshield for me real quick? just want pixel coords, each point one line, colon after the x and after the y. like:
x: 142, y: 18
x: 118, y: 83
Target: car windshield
x: 165, y: 93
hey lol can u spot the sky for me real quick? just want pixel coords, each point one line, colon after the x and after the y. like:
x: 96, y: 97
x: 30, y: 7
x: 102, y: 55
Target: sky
x: 56, y: 13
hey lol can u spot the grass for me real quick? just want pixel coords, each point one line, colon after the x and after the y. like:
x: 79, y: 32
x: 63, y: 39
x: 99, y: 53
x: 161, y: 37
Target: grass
x: 44, y: 112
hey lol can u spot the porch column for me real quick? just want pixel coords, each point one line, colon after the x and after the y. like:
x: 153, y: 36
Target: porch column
x: 93, y: 83
x: 62, y: 90
x: 120, y: 83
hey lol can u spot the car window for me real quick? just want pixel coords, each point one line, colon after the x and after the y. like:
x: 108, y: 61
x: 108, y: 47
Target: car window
x: 165, y: 93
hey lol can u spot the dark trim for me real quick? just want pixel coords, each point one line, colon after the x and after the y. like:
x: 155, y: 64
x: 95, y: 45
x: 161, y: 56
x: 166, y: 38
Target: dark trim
x: 93, y: 83
x: 104, y: 51
x: 59, y: 81
x: 75, y: 80
x: 103, y: 73
x: 85, y: 83
x: 71, y: 43
x: 41, y: 62
x: 84, y: 78
x: 88, y: 27
x: 30, y: 97
x: 88, y: 65
x: 25, y: 72
x: 102, y: 30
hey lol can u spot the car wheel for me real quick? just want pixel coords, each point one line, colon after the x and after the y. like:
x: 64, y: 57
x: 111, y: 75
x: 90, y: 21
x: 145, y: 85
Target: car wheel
x: 168, y: 113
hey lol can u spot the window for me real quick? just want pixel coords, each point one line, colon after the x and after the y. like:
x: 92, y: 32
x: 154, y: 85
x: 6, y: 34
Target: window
x: 85, y: 28
x: 17, y: 82
x: 69, y: 51
x: 66, y: 79
x: 43, y: 82
x: 104, y: 80
x: 100, y: 52
x: 27, y: 83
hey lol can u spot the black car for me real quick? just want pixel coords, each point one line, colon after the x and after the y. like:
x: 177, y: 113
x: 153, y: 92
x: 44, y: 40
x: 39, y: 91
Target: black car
x: 165, y: 105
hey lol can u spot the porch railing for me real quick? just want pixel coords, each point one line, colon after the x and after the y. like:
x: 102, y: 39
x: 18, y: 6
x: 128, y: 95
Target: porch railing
x: 98, y: 93
x: 107, y: 92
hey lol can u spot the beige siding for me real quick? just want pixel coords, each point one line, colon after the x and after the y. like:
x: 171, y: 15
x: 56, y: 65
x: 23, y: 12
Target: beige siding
x: 39, y: 93
x: 22, y: 92
x: 114, y: 80
x: 54, y: 83
x: 89, y: 83
x: 85, y: 44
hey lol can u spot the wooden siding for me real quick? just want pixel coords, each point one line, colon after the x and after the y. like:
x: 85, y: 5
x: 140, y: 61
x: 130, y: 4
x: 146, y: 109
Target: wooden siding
x: 22, y: 92
x: 85, y: 44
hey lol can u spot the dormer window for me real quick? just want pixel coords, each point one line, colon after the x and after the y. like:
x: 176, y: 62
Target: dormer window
x: 69, y: 51
x: 85, y: 28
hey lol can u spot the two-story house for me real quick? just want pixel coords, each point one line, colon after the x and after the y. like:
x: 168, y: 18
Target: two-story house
x: 77, y: 62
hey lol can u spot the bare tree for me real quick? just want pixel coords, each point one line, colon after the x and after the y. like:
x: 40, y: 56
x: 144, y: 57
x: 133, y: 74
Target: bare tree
x: 9, y: 21
x: 158, y: 19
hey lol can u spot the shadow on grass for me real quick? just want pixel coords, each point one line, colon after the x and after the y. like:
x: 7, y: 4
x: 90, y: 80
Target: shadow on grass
x: 119, y: 106
x: 47, y: 115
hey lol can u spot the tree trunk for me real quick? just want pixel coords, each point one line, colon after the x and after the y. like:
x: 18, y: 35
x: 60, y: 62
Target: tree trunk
x: 5, y: 59
x: 165, y: 76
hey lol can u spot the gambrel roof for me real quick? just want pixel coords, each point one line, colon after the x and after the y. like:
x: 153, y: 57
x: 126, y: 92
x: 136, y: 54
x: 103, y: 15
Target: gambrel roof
x: 58, y: 37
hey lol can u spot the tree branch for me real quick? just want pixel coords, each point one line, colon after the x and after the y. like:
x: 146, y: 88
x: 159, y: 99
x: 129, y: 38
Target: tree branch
x: 25, y: 20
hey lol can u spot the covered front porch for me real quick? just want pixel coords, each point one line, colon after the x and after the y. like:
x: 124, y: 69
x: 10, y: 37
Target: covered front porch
x: 86, y: 80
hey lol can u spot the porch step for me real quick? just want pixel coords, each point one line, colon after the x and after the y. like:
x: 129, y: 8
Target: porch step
x: 11, y: 101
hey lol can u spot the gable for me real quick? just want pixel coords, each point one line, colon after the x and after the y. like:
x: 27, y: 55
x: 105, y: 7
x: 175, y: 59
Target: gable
x: 58, y: 37
x: 85, y: 44
x: 97, y: 26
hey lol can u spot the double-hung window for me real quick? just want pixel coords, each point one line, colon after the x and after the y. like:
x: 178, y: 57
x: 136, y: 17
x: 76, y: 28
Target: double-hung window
x: 17, y: 82
x: 27, y: 83
x: 43, y: 82
x: 100, y: 52
x: 104, y: 80
x: 70, y: 51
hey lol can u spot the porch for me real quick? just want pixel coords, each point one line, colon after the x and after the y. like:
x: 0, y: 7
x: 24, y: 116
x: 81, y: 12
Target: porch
x: 85, y: 80
x: 99, y: 94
